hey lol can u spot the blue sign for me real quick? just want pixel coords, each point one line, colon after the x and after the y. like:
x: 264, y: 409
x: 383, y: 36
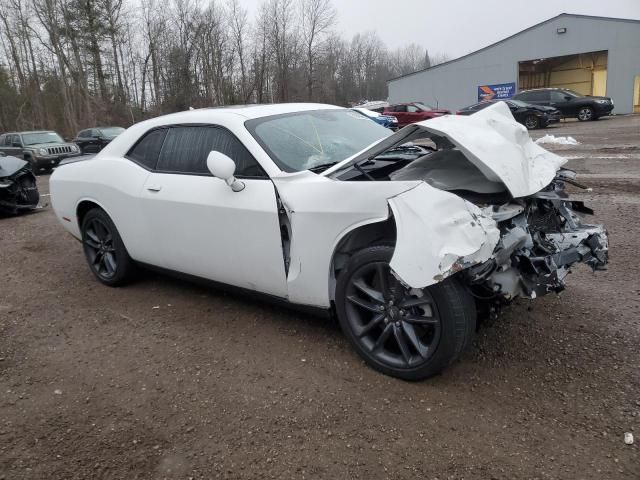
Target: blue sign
x: 496, y: 92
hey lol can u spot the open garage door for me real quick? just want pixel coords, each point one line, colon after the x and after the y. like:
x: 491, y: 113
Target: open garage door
x: 585, y: 73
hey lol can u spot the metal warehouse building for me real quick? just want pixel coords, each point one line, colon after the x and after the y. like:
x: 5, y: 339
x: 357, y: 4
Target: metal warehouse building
x: 591, y: 55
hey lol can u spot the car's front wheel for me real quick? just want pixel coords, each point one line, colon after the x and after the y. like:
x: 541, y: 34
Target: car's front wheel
x: 403, y: 332
x: 531, y: 122
x: 585, y: 114
x: 104, y: 250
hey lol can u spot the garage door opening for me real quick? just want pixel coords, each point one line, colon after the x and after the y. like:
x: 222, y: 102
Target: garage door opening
x: 585, y: 73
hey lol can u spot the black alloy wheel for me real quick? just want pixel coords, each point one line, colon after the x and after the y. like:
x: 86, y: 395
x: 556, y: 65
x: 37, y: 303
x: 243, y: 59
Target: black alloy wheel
x: 104, y: 250
x: 531, y: 122
x: 404, y: 332
x: 98, y: 244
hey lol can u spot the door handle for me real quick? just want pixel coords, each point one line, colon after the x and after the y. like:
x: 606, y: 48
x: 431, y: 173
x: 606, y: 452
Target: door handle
x: 154, y: 188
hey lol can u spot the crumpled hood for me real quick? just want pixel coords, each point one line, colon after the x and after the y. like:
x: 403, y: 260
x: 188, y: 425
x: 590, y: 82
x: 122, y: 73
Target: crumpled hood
x: 491, y: 139
x: 10, y: 165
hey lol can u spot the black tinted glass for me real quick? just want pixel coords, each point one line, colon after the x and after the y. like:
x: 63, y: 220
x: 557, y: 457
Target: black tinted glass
x: 557, y: 96
x: 146, y: 151
x: 186, y: 150
x: 536, y: 96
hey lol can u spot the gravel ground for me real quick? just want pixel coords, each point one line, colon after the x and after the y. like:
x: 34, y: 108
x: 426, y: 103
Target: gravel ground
x: 165, y: 379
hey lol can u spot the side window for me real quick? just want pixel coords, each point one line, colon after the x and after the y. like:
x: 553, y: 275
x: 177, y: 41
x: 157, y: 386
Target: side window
x: 399, y: 108
x: 557, y: 96
x: 14, y: 139
x: 83, y: 134
x: 412, y: 109
x: 539, y: 96
x: 3, y: 139
x: 186, y: 150
x: 147, y: 150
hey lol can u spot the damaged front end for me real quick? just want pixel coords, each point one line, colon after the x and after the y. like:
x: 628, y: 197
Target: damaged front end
x: 503, y: 220
x: 542, y: 236
x: 18, y: 189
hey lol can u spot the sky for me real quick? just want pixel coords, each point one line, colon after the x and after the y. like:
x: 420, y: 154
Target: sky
x: 457, y: 27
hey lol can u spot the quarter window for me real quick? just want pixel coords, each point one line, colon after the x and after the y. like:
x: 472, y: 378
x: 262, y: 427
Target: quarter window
x: 186, y: 149
x: 146, y: 151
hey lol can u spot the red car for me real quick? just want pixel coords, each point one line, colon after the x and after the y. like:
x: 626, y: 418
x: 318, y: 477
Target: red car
x: 413, y: 112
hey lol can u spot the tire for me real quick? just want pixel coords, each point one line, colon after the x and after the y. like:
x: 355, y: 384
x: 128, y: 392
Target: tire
x: 32, y: 162
x: 531, y: 122
x: 435, y: 324
x: 585, y: 114
x: 104, y: 250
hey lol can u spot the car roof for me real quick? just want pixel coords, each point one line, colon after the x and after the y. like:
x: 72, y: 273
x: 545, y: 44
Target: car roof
x: 29, y: 131
x: 261, y: 110
x: 545, y: 88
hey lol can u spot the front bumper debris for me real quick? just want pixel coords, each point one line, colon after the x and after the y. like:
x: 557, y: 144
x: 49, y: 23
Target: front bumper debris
x: 542, y: 237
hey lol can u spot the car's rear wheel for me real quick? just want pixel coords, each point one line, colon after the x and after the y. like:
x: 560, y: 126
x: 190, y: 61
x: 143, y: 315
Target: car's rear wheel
x: 104, y: 250
x: 585, y: 114
x: 531, y: 122
x: 406, y: 333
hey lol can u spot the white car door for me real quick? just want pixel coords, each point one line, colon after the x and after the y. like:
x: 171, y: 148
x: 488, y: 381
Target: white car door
x: 195, y: 223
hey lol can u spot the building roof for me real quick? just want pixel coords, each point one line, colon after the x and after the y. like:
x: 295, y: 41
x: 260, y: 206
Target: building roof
x: 573, y: 15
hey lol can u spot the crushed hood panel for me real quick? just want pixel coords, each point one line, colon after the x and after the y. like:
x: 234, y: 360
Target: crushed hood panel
x: 491, y: 139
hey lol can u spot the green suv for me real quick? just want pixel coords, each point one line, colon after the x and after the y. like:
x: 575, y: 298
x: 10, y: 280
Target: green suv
x: 42, y: 149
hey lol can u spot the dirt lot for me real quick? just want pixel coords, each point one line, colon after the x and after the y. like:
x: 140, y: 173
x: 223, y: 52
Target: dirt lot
x: 164, y: 379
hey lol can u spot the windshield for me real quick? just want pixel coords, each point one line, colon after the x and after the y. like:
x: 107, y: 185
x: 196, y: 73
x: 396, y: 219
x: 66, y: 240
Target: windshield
x: 424, y: 107
x: 318, y: 138
x: 518, y: 103
x: 111, y: 131
x: 41, y: 137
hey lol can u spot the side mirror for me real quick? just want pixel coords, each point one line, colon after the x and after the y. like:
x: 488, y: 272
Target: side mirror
x: 223, y: 167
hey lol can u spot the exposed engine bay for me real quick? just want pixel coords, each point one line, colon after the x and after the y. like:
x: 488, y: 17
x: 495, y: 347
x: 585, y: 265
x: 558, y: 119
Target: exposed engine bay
x: 541, y: 234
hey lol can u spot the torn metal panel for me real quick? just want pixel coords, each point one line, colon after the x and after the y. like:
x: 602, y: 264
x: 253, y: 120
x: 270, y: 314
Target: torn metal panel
x: 438, y: 234
x: 321, y: 212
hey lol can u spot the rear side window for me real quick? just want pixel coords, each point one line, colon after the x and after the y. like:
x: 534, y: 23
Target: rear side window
x: 83, y: 134
x: 3, y: 139
x: 535, y: 96
x: 186, y: 149
x: 147, y: 150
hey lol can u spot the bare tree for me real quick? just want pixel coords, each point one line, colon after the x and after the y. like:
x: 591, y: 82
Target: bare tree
x: 318, y: 16
x: 68, y: 64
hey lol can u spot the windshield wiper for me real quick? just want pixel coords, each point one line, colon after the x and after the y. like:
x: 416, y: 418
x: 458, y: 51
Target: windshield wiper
x: 322, y: 167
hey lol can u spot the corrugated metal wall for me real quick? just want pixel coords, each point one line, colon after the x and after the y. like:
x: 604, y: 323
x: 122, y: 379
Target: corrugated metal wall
x: 455, y: 84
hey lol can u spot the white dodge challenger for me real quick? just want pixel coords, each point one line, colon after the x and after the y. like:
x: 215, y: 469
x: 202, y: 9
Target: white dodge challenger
x: 405, y: 235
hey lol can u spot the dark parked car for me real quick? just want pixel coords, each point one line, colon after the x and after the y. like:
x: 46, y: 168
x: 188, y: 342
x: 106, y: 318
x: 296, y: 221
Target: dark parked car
x: 92, y: 140
x: 413, y: 112
x: 570, y: 103
x: 42, y: 149
x: 18, y: 189
x: 531, y: 116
